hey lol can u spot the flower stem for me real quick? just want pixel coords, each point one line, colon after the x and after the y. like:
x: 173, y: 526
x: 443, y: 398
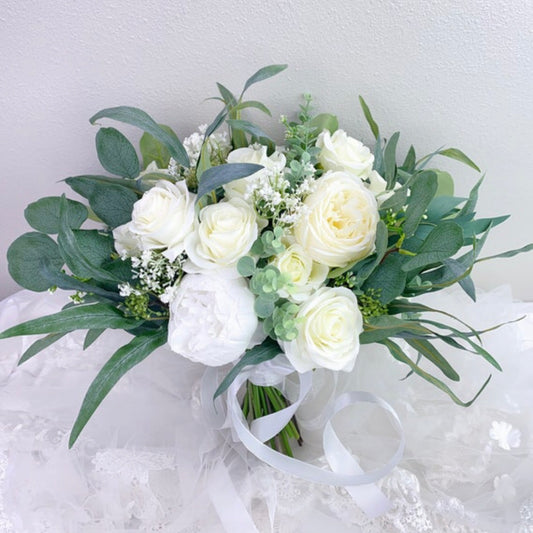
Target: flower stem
x: 260, y: 401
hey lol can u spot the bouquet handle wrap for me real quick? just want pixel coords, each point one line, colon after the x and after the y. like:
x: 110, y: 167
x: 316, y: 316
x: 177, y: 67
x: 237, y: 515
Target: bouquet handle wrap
x: 345, y: 470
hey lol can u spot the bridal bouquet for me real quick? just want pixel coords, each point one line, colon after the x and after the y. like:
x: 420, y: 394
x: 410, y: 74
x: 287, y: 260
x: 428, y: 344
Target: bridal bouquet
x: 236, y: 251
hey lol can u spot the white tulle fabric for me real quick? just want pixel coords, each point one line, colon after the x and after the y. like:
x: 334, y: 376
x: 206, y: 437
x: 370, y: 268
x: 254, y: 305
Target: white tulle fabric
x: 147, y: 461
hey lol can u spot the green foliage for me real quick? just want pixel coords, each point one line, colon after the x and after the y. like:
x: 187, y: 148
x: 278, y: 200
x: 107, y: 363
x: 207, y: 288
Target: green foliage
x: 269, y: 243
x: 153, y: 150
x: 29, y: 259
x: 217, y: 176
x: 93, y: 316
x: 43, y: 215
x: 123, y: 360
x: 265, y: 351
x: 116, y: 154
x: 140, y: 119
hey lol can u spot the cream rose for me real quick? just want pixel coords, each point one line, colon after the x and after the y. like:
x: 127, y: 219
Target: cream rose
x: 339, y: 224
x: 127, y: 244
x: 163, y: 218
x: 225, y: 233
x: 256, y: 154
x: 328, y: 333
x: 212, y: 319
x: 342, y: 152
x: 305, y: 274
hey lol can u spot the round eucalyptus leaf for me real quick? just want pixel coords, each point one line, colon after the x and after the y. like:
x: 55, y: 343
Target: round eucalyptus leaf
x: 43, y: 215
x: 30, y: 258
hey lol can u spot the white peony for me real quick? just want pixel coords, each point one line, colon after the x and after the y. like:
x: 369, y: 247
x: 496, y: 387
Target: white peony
x: 256, y: 154
x: 329, y: 328
x: 212, y: 319
x: 342, y: 152
x: 305, y: 274
x: 339, y: 224
x: 225, y: 233
x: 163, y: 218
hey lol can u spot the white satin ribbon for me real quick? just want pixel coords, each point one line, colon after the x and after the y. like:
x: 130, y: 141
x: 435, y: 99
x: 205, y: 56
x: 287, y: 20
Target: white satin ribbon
x: 345, y: 470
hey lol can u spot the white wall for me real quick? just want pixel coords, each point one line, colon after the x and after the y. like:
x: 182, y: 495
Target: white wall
x: 444, y: 73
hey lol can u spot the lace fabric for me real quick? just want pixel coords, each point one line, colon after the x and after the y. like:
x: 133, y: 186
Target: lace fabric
x: 146, y: 462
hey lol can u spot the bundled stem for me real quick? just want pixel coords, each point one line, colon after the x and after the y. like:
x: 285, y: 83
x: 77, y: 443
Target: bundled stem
x: 260, y: 401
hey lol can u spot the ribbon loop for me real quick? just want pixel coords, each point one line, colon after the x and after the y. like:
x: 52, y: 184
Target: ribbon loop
x: 345, y: 470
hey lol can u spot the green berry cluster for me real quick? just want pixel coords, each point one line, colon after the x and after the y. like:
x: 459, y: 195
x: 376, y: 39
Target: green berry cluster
x: 370, y: 305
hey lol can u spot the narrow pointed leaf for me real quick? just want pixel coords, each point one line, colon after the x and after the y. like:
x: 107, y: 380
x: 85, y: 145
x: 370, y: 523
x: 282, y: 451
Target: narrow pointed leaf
x: 258, y: 354
x: 427, y: 350
x: 93, y: 316
x: 399, y: 355
x: 509, y: 253
x: 389, y: 159
x: 263, y: 74
x: 455, y: 153
x: 220, y: 175
x: 254, y: 104
x: 91, y: 337
x: 422, y: 192
x: 39, y: 345
x: 138, y: 118
x: 248, y: 127
x: 123, y: 360
x: 368, y: 115
x: 227, y: 95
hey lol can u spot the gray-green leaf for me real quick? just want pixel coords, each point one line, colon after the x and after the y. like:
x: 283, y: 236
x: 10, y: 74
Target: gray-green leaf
x: 116, y: 154
x: 43, y: 215
x: 123, y: 360
x: 138, y: 118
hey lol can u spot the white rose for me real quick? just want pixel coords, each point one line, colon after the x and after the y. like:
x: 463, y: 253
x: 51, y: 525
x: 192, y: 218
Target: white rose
x: 305, y: 274
x: 328, y: 334
x: 256, y: 154
x: 341, y: 152
x: 127, y: 244
x: 163, y: 217
x: 212, y: 319
x: 225, y: 233
x: 338, y: 226
x: 378, y: 187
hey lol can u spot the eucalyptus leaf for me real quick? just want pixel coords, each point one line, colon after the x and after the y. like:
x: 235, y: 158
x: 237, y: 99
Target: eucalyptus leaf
x: 423, y: 190
x: 29, y: 256
x: 43, y: 215
x: 248, y: 127
x: 153, y: 150
x: 389, y: 159
x: 138, y: 118
x: 112, y: 203
x: 72, y: 253
x: 123, y: 360
x: 442, y: 206
x: 253, y: 104
x: 116, y: 154
x: 325, y: 121
x: 410, y: 160
x: 427, y: 350
x: 93, y: 316
x: 455, y: 153
x: 215, y: 177
x: 263, y: 74
x: 399, y: 355
x: 509, y: 253
x: 84, y: 185
x: 39, y: 345
x: 91, y: 337
x: 388, y: 279
x: 254, y: 356
x: 368, y: 115
x: 443, y: 242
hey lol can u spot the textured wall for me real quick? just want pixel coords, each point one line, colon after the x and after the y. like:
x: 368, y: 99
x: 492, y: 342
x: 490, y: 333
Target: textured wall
x: 448, y: 72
